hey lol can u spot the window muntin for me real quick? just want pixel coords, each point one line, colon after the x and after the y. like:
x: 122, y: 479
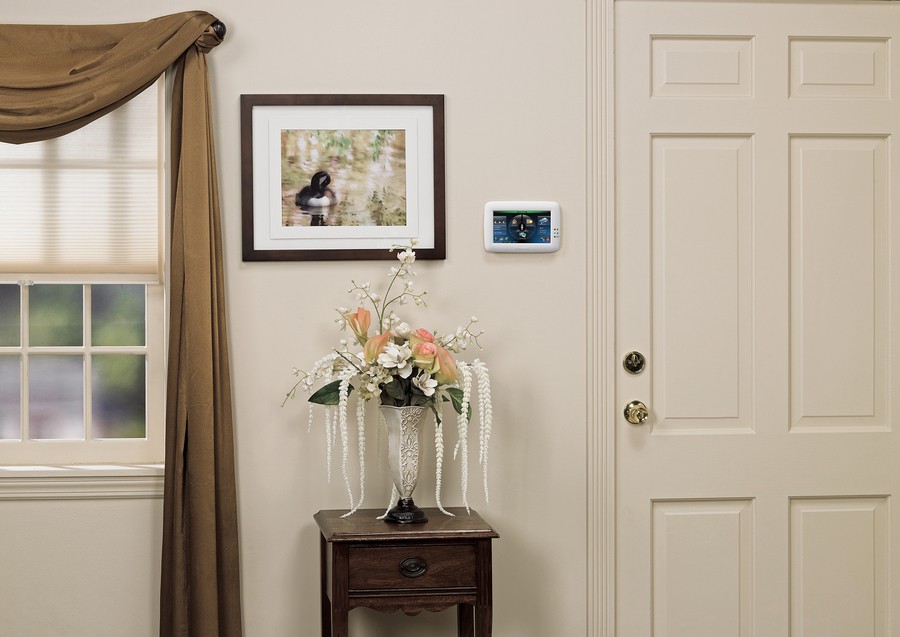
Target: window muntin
x: 81, y: 373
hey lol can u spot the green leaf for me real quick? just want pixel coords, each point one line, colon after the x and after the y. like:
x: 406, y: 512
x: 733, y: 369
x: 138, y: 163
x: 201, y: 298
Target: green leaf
x: 394, y: 389
x: 456, y: 398
x: 329, y: 394
x: 420, y: 400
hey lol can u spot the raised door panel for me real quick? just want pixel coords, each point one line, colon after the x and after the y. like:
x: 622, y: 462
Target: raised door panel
x: 828, y: 67
x: 701, y: 209
x: 839, y: 282
x: 840, y: 553
x: 702, y: 66
x: 702, y: 568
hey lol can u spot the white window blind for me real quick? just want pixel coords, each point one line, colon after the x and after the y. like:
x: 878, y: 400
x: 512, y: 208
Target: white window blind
x: 86, y: 205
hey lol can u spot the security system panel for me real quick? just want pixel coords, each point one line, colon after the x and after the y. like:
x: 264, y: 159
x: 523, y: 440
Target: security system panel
x: 521, y: 226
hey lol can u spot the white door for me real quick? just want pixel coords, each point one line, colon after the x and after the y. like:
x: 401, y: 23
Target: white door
x: 758, y: 270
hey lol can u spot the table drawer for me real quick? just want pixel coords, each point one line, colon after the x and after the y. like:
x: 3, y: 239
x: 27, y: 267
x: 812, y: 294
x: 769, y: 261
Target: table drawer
x: 412, y: 567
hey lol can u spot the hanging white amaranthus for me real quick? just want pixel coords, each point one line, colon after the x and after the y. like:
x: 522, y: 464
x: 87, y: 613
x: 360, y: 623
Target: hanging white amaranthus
x: 401, y: 367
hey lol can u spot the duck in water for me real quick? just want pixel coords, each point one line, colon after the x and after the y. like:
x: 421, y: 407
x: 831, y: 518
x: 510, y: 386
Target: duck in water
x: 317, y: 194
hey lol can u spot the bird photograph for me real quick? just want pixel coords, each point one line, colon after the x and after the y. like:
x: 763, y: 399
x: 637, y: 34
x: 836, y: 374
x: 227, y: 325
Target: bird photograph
x: 343, y: 177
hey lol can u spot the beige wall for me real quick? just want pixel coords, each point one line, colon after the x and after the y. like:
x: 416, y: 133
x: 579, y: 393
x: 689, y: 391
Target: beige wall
x: 79, y: 568
x: 513, y: 76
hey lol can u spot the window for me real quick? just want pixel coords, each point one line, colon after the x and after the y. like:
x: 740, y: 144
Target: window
x: 82, y: 371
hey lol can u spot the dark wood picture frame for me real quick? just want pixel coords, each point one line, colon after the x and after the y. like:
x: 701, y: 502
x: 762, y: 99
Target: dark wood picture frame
x: 250, y: 208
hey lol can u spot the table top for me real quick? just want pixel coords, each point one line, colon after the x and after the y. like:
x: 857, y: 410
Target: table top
x: 363, y: 526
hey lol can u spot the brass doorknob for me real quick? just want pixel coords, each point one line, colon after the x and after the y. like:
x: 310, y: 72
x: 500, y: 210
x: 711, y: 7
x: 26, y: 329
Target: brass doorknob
x: 636, y: 412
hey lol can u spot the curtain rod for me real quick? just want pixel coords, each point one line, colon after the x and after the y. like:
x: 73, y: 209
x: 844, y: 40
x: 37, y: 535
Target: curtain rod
x: 219, y: 27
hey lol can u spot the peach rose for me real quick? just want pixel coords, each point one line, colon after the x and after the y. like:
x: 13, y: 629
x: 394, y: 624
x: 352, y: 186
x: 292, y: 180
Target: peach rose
x: 425, y: 356
x: 421, y: 336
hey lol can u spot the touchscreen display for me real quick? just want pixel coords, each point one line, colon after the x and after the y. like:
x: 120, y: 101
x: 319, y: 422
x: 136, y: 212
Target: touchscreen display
x: 522, y: 226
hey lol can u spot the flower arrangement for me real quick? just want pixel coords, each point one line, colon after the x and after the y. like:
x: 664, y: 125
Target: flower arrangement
x: 400, y: 366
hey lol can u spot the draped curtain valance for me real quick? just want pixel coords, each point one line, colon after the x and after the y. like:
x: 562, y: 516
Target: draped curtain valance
x: 56, y: 79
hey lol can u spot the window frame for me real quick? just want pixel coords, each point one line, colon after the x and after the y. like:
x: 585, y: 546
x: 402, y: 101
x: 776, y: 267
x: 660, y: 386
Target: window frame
x: 148, y: 451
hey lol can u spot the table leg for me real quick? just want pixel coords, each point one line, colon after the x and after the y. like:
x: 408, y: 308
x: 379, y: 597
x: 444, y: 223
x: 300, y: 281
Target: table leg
x: 484, y: 602
x: 339, y: 624
x: 323, y: 590
x: 483, y: 621
x: 340, y: 590
x: 465, y: 620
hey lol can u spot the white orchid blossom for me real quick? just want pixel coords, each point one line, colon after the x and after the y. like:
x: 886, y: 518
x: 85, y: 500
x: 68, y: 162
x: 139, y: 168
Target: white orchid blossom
x: 425, y: 383
x: 402, y: 330
x: 396, y: 357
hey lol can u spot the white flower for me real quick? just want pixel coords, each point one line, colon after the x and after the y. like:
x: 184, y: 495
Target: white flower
x: 370, y: 390
x: 426, y: 383
x: 371, y: 381
x: 376, y: 298
x: 396, y: 357
x: 402, y: 330
x: 406, y: 257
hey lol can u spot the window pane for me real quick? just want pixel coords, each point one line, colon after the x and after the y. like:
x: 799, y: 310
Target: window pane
x: 55, y: 315
x: 56, y: 397
x: 10, y: 398
x: 9, y: 317
x: 119, y: 382
x: 117, y: 314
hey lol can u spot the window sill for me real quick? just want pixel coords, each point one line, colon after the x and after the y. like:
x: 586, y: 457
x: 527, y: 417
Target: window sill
x: 81, y: 482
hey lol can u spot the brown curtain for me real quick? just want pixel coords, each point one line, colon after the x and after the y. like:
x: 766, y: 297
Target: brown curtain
x: 56, y: 79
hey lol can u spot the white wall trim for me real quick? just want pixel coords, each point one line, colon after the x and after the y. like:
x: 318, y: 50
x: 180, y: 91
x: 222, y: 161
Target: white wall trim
x: 601, y: 505
x: 66, y: 483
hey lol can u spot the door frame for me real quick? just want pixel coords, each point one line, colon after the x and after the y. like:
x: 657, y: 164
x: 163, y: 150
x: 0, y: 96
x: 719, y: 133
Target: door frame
x: 602, y: 411
x: 600, y: 377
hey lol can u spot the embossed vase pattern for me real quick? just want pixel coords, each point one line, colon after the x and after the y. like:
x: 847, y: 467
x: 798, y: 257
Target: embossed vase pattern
x: 403, y: 446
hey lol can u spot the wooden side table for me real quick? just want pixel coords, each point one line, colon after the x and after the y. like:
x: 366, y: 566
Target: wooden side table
x: 432, y: 566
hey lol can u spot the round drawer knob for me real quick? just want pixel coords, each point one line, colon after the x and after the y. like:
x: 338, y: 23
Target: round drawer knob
x: 413, y: 567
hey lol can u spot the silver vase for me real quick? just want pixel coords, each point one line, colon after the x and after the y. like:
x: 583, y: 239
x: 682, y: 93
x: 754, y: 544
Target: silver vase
x: 403, y: 459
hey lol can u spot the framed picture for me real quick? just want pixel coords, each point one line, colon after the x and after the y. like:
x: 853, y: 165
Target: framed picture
x: 341, y: 176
